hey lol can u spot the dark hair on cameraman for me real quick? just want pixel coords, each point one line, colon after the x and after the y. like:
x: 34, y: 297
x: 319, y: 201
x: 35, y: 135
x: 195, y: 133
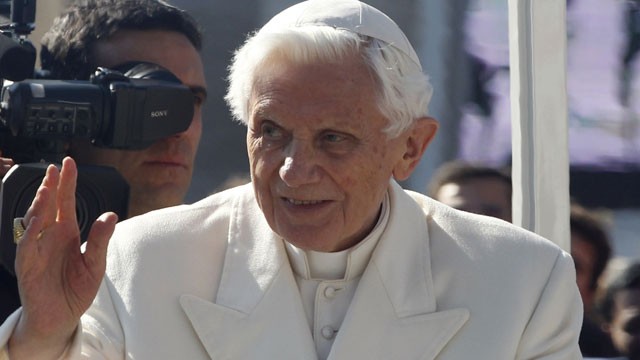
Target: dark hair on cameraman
x: 67, y: 48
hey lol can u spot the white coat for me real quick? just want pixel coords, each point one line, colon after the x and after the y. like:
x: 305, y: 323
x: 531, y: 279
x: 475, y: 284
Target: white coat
x: 212, y: 281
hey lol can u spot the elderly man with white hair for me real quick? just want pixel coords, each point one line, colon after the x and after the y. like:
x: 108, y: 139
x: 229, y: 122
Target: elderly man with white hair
x: 323, y: 255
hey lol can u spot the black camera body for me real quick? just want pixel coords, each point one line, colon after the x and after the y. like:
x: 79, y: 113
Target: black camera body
x: 117, y: 110
x: 129, y: 107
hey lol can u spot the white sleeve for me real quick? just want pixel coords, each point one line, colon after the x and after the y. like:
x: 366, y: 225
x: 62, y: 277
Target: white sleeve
x: 7, y: 328
x: 5, y: 333
x: 554, y: 326
x: 101, y: 336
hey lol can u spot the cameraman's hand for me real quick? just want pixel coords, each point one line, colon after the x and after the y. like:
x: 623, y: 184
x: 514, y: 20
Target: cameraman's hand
x: 57, y: 282
x: 5, y: 165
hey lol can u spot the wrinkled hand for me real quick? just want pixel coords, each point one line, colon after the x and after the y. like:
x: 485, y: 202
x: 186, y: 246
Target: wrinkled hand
x: 57, y: 281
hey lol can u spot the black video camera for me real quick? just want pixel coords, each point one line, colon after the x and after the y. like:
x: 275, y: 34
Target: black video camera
x: 128, y: 107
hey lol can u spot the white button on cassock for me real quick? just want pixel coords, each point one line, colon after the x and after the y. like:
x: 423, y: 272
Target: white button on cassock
x: 328, y: 332
x: 330, y: 292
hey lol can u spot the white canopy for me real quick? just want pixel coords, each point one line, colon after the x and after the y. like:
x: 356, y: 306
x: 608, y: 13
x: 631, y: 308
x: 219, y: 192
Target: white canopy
x: 537, y: 41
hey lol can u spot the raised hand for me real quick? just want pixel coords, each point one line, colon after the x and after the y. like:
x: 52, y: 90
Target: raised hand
x: 57, y: 281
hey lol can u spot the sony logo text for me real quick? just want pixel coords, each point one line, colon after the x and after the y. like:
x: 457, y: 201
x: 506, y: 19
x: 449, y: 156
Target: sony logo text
x: 159, y: 113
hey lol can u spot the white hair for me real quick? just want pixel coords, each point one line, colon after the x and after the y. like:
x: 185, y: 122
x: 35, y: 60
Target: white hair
x: 404, y: 90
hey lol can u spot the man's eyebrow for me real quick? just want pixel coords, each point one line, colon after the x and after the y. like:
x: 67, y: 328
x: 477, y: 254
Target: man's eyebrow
x: 199, y: 91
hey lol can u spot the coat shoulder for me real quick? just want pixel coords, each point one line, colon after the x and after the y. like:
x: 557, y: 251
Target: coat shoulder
x: 212, y: 210
x: 466, y: 243
x: 201, y: 225
x: 473, y: 231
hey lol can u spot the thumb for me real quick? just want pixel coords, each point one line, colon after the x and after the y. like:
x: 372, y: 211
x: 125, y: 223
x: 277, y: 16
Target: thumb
x: 98, y: 241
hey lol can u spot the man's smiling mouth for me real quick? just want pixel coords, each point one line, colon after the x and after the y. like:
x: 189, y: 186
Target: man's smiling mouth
x: 303, y: 202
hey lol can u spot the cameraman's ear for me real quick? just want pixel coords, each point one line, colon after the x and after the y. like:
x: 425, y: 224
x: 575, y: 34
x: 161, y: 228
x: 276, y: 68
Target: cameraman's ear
x: 417, y: 138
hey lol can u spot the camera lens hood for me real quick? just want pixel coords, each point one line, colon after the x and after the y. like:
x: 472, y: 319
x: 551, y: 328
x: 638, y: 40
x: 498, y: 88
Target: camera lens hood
x: 99, y: 189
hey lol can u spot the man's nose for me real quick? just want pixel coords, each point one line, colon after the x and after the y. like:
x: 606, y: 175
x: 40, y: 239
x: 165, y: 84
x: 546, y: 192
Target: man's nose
x: 300, y: 165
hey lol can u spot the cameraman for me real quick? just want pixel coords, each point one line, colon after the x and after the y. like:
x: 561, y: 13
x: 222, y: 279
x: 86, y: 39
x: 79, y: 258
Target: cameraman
x: 109, y: 33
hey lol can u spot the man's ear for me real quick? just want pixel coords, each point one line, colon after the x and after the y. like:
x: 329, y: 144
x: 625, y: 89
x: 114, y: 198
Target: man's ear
x: 417, y: 139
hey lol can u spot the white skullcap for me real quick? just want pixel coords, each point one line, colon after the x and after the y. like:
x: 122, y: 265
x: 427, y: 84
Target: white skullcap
x: 350, y: 15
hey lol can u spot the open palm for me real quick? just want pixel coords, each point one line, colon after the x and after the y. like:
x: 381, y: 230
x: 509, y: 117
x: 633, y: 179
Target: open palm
x: 57, y: 281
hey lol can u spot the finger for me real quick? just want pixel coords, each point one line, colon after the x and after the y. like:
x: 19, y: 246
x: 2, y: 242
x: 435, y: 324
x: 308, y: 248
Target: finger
x: 97, y: 243
x: 51, y: 182
x: 43, y: 204
x: 66, y: 197
x: 5, y: 165
x: 6, y: 161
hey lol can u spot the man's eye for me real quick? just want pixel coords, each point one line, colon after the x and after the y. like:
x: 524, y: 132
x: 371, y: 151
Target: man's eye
x: 337, y: 143
x: 334, y: 138
x: 271, y: 132
x: 199, y: 96
x: 198, y: 100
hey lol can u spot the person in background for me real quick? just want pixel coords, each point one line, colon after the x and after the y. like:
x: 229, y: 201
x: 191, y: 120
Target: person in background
x: 108, y: 33
x: 487, y: 191
x: 323, y: 255
x: 619, y: 306
x: 474, y: 188
x: 591, y: 252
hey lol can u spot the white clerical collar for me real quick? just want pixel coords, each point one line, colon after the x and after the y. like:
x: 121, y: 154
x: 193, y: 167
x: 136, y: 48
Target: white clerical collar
x: 346, y: 264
